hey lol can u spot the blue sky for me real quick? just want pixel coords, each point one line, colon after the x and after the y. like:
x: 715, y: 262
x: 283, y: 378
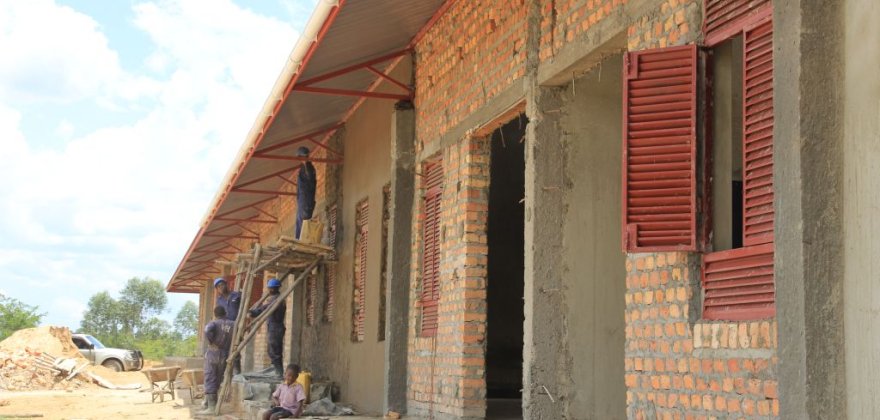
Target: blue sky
x: 118, y: 120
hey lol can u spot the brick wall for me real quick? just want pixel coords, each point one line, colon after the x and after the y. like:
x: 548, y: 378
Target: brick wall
x: 446, y: 372
x: 676, y: 22
x: 562, y: 21
x: 680, y: 367
x: 474, y: 37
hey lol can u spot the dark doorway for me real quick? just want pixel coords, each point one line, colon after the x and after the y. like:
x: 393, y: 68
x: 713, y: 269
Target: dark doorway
x: 506, y: 226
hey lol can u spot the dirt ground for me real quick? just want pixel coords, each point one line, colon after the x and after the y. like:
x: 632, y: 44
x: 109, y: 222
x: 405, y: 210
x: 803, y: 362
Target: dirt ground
x: 99, y: 404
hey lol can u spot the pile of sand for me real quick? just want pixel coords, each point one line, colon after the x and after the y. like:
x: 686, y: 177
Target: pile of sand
x: 19, y: 354
x: 54, y: 341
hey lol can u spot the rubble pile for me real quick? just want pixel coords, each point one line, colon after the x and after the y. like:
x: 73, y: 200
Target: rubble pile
x: 20, y: 356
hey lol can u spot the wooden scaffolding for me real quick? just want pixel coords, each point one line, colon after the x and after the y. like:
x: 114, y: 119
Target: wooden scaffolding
x: 286, y: 257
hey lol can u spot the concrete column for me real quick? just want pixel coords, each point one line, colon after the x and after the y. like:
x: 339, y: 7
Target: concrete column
x: 544, y: 363
x: 808, y: 178
x: 399, y: 256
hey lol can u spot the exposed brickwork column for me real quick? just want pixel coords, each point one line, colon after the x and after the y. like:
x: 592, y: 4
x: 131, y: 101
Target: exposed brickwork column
x: 399, y: 255
x: 447, y: 372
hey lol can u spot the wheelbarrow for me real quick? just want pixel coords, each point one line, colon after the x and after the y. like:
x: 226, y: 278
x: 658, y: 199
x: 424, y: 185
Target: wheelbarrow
x: 162, y: 381
x: 194, y: 383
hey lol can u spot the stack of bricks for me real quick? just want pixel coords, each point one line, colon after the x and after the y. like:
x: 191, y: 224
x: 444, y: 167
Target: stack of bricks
x: 447, y: 371
x: 488, y: 35
x: 680, y: 367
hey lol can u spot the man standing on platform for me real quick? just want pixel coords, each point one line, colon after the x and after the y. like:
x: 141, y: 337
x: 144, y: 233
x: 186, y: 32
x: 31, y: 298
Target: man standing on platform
x: 306, y: 183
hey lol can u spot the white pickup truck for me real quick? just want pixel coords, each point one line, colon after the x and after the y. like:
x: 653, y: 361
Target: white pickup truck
x: 116, y: 359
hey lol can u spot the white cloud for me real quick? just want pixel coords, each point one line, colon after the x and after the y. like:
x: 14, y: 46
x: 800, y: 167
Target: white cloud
x: 96, y: 208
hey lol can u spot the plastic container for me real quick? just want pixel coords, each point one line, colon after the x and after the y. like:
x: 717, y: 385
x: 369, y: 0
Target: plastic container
x: 305, y: 379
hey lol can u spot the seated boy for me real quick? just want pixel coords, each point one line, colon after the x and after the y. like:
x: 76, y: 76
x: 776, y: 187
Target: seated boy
x: 288, y: 398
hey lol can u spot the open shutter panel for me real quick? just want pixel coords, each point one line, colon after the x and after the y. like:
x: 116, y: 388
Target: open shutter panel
x: 362, y: 217
x: 433, y: 184
x: 758, y: 134
x: 727, y: 18
x: 330, y: 308
x: 659, y: 151
x: 738, y: 284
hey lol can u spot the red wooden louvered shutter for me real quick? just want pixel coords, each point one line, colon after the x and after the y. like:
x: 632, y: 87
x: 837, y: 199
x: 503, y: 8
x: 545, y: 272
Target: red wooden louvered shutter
x: 724, y: 19
x: 430, y: 297
x: 738, y: 284
x: 330, y: 307
x: 361, y: 271
x: 758, y: 134
x: 659, y: 151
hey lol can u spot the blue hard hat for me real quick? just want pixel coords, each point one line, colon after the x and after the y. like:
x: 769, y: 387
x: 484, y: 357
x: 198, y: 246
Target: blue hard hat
x: 302, y: 151
x: 274, y: 283
x: 219, y: 280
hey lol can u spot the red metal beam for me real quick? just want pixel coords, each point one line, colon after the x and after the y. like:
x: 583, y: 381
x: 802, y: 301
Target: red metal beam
x: 287, y: 181
x: 325, y: 147
x: 224, y: 227
x: 245, y: 207
x: 348, y: 92
x: 295, y: 158
x: 299, y: 139
x: 214, y: 235
x: 265, y: 177
x: 225, y: 219
x: 249, y: 191
x: 248, y: 230
x: 354, y: 67
x: 390, y: 79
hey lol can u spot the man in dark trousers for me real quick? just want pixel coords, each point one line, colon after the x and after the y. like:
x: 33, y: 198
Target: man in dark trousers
x: 230, y: 300
x: 306, y: 184
x: 218, y: 335
x: 275, y: 324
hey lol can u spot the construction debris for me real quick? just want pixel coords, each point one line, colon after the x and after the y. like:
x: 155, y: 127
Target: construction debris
x: 326, y: 407
x: 28, y: 362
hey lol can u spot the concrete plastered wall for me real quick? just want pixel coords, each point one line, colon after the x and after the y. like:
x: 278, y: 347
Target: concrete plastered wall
x: 595, y: 273
x: 861, y: 196
x: 357, y: 367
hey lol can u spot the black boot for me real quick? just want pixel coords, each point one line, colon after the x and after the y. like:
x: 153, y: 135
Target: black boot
x: 279, y: 370
x: 211, y: 402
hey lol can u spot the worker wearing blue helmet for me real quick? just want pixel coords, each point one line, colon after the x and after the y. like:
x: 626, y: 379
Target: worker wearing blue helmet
x: 230, y: 300
x: 306, y: 183
x: 275, y: 324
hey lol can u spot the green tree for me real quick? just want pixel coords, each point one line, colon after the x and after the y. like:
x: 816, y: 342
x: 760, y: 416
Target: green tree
x: 139, y: 301
x: 186, y: 323
x: 102, y: 319
x: 132, y: 321
x: 16, y: 315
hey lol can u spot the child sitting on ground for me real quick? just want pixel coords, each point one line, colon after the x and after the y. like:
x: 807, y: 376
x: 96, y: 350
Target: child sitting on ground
x: 288, y: 398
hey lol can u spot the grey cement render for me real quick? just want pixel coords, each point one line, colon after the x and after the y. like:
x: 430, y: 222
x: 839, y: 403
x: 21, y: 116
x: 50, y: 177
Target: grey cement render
x: 861, y: 198
x: 808, y: 181
x: 594, y: 265
x: 399, y: 256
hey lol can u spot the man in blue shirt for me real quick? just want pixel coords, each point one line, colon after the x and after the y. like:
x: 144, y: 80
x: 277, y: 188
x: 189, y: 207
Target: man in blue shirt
x: 306, y: 183
x: 218, y: 335
x: 275, y: 324
x: 230, y: 301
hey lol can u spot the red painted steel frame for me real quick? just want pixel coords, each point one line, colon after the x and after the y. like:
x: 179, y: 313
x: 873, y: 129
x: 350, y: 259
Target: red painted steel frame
x: 295, y: 159
x: 299, y: 139
x: 249, y: 191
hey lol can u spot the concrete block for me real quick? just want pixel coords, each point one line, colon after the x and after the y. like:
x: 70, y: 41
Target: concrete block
x: 253, y: 410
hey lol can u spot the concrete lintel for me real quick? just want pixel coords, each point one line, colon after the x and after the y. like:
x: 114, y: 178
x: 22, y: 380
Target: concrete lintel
x: 808, y: 162
x: 399, y: 256
x: 607, y: 36
x: 493, y: 107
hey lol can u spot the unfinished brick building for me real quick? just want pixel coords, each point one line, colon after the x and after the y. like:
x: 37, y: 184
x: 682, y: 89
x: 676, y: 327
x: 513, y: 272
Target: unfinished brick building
x: 586, y: 209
